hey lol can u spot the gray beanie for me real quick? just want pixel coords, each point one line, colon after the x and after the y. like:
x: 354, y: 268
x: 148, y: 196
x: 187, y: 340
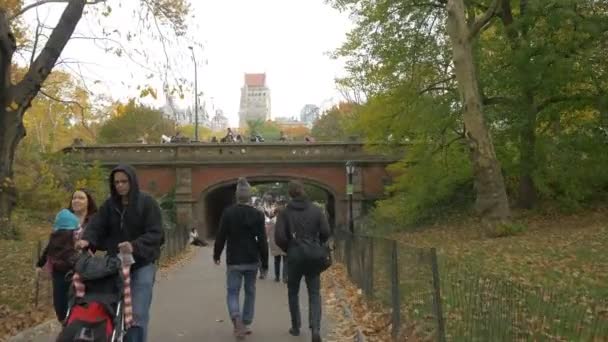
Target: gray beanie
x: 243, y: 191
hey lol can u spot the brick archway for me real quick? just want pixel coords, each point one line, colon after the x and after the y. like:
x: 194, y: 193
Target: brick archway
x: 206, y: 221
x: 194, y: 169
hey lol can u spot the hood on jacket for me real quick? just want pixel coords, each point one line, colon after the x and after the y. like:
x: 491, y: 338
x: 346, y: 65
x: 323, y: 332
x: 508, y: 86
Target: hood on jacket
x: 299, y: 203
x: 133, y: 183
x: 66, y: 220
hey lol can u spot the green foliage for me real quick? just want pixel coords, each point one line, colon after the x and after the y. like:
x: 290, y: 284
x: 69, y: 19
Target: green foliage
x: 167, y: 205
x: 204, y: 133
x: 269, y: 130
x: 435, y: 185
x: 338, y: 123
x: 46, y: 180
x: 507, y: 229
x: 134, y: 122
x: 544, y: 81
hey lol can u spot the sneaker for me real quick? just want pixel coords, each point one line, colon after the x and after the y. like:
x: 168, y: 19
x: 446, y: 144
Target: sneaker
x: 294, y: 332
x: 316, y: 337
x: 248, y: 330
x: 276, y: 279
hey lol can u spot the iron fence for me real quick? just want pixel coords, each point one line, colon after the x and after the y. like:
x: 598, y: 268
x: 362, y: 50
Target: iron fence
x: 437, y: 299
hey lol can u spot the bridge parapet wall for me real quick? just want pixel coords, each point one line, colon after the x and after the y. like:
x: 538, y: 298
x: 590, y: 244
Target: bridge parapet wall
x: 142, y: 154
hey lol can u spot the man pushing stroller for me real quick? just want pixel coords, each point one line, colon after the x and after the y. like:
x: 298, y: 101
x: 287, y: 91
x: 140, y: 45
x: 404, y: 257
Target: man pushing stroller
x: 129, y: 222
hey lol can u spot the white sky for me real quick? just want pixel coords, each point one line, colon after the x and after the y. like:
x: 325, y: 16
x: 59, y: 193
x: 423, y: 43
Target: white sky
x: 287, y: 39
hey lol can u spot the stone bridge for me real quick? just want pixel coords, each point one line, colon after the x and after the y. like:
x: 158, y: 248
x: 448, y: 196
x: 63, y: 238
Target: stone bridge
x: 204, y: 175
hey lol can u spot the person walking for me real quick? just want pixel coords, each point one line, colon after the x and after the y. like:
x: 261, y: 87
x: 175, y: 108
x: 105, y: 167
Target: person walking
x: 59, y: 258
x: 280, y: 257
x: 82, y: 206
x: 129, y: 223
x: 302, y: 221
x: 242, y: 232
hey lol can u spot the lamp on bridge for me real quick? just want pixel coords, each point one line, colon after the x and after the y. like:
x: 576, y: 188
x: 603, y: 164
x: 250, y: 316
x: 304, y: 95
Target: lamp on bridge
x: 350, y: 170
x: 195, y: 96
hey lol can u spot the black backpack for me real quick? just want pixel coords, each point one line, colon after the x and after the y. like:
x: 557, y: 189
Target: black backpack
x: 308, y: 253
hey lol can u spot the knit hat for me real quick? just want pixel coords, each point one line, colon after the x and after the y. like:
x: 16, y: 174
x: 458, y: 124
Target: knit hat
x: 66, y: 220
x: 243, y: 191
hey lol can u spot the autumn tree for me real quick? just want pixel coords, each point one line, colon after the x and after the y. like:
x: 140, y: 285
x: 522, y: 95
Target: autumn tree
x: 17, y: 94
x: 134, y: 122
x: 269, y: 130
x: 336, y: 124
x: 297, y: 132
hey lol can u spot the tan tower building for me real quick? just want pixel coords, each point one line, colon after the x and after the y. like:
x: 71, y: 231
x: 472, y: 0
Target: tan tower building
x: 255, y: 100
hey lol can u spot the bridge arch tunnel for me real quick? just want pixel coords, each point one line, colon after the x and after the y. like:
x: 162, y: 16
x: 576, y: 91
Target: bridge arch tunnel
x: 212, y: 201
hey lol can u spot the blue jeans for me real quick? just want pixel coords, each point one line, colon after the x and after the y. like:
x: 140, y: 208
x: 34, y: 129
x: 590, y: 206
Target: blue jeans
x: 234, y: 281
x: 142, y: 283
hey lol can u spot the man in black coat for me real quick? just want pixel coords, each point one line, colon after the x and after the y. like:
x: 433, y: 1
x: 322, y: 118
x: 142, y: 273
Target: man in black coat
x: 302, y: 220
x: 130, y: 222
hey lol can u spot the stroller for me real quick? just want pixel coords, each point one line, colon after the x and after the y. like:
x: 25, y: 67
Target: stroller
x: 96, y: 308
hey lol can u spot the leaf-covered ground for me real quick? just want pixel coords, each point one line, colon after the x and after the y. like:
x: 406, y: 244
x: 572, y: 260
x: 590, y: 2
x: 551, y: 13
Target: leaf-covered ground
x: 562, y: 252
x: 18, y: 282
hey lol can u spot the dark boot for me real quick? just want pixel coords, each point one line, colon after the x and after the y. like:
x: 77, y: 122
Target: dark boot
x: 240, y: 331
x: 316, y: 336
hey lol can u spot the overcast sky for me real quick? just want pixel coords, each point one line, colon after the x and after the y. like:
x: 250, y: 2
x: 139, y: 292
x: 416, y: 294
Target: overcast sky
x: 287, y: 39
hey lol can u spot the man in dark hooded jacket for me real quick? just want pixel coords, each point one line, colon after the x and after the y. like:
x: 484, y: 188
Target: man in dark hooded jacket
x: 130, y: 222
x: 302, y: 220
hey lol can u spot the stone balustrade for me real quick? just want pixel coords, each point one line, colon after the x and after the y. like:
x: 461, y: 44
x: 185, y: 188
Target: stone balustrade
x: 212, y: 153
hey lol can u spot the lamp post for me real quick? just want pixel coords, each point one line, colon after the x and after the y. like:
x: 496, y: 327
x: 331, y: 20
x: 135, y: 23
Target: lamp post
x: 195, y: 96
x: 350, y: 169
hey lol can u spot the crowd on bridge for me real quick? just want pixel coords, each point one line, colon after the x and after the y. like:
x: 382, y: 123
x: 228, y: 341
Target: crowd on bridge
x: 230, y: 137
x: 103, y: 261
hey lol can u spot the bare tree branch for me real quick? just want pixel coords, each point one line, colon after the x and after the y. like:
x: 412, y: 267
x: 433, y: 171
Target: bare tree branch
x: 44, y: 2
x: 484, y: 20
x: 36, y: 37
x: 435, y: 85
x: 83, y: 120
x: 24, y: 91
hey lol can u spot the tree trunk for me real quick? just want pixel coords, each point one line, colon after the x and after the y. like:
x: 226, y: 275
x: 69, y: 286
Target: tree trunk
x: 8, y: 126
x: 11, y: 133
x: 527, y: 156
x: 16, y: 99
x: 491, y: 202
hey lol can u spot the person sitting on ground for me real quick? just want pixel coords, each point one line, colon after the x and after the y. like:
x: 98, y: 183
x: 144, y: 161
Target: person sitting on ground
x: 194, y: 239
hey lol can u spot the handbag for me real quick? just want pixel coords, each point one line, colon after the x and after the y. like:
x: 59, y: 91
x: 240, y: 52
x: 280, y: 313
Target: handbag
x: 308, y: 253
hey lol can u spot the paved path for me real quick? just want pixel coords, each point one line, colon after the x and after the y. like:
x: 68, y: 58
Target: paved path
x: 190, y: 305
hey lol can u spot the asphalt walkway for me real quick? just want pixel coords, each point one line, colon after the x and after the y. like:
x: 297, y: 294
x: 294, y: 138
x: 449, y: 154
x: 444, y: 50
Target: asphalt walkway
x: 191, y: 306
